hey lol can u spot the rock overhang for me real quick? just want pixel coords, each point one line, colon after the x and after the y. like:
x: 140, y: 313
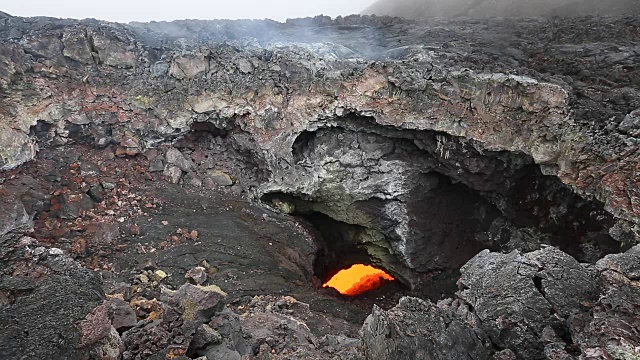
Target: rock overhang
x: 137, y: 94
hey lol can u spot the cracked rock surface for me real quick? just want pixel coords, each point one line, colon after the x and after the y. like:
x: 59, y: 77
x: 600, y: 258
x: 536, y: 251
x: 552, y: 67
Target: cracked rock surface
x: 537, y: 305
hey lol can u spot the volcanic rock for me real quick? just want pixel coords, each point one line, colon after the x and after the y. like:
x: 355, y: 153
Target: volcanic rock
x: 110, y: 348
x: 219, y: 177
x: 156, y: 165
x: 595, y: 332
x: 122, y: 316
x: 204, y: 336
x: 29, y: 322
x: 418, y: 329
x: 95, y: 326
x: 13, y: 215
x: 502, y: 150
x: 198, y: 274
x: 175, y: 157
x: 515, y: 315
x: 72, y: 205
x: 431, y: 121
x: 199, y: 303
x: 173, y: 174
x: 234, y: 344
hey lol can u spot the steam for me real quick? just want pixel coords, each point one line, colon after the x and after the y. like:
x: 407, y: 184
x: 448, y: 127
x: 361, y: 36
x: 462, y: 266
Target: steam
x: 166, y: 10
x: 504, y: 8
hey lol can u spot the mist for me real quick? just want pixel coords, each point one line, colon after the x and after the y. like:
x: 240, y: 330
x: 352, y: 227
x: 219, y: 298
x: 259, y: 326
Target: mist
x: 159, y: 10
x: 280, y: 10
x: 508, y: 8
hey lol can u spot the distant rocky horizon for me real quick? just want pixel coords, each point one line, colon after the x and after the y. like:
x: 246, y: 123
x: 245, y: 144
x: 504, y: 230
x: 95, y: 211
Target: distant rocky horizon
x: 517, y: 8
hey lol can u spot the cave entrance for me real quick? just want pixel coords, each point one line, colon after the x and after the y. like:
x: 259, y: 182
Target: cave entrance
x: 419, y: 204
x: 348, y: 262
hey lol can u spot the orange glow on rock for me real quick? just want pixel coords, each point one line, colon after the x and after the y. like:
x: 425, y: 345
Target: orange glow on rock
x: 358, y: 279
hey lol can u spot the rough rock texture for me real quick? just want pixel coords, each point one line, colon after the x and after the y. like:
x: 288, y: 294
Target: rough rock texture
x: 33, y: 281
x: 600, y: 332
x: 538, y: 305
x: 465, y: 118
x: 414, y: 145
x: 416, y: 329
x: 517, y: 297
x: 142, y: 256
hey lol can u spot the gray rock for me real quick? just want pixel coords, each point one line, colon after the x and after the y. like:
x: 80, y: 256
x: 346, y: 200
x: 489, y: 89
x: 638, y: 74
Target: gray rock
x: 506, y: 354
x: 221, y: 352
x: 597, y: 332
x: 15, y: 34
x: 73, y: 205
x: 172, y: 173
x: 219, y: 177
x: 245, y: 66
x: 521, y: 299
x: 418, y: 329
x: 55, y: 307
x: 277, y: 330
x: 13, y: 215
x: 160, y: 68
x: 189, y: 67
x: 235, y: 339
x: 108, y: 184
x: 625, y: 264
x: 198, y: 274
x: 16, y: 148
x: 109, y: 348
x: 151, y: 154
x: 76, y: 46
x: 122, y: 316
x: 205, y: 336
x: 195, y: 181
x: 199, y: 303
x: 175, y: 157
x: 556, y: 351
x: 113, y: 51
x: 144, y: 341
x: 156, y: 165
x: 565, y: 283
x: 631, y: 123
x: 503, y: 294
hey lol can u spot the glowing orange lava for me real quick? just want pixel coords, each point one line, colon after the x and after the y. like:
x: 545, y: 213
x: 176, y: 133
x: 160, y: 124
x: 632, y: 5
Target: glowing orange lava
x: 358, y: 279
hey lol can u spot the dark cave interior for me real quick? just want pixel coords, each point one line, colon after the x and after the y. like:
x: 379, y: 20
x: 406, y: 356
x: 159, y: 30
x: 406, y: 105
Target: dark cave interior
x: 461, y: 199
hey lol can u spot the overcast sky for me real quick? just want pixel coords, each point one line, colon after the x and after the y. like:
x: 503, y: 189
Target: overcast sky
x: 147, y: 10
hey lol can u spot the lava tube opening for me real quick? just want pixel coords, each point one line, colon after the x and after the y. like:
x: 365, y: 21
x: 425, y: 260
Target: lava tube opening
x: 358, y: 279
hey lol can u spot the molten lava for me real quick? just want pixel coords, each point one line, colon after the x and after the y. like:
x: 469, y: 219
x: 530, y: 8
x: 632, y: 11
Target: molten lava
x: 358, y: 279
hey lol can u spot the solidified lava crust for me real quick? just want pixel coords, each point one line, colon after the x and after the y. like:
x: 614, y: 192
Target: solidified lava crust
x: 182, y: 190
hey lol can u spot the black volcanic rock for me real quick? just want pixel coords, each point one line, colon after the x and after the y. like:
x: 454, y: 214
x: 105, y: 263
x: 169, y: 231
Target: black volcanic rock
x: 416, y: 329
x: 537, y: 305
